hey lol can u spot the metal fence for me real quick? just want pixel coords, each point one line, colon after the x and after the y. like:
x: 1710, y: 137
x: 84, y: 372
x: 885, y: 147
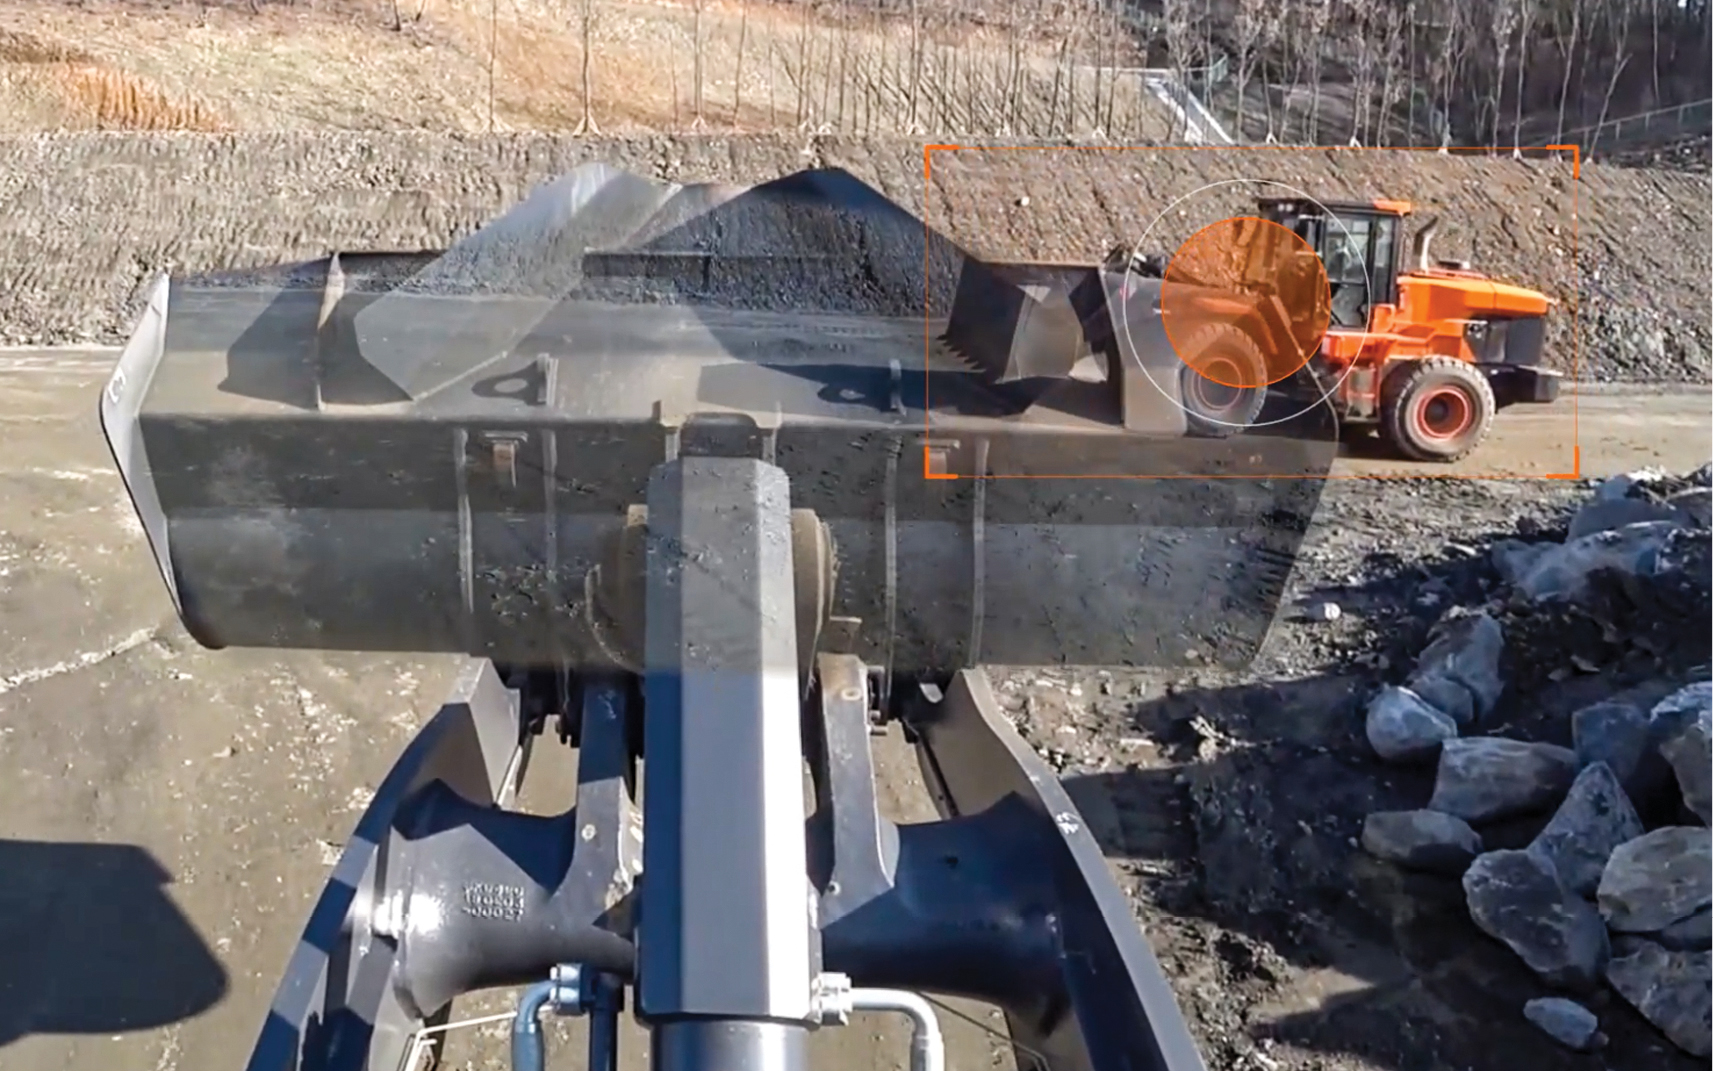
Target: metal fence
x: 1682, y: 120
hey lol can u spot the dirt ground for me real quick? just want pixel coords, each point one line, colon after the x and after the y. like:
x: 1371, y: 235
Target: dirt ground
x: 171, y: 812
x: 92, y: 218
x: 206, y: 793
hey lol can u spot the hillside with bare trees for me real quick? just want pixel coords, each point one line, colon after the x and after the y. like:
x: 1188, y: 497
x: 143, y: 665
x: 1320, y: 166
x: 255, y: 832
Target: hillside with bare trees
x: 1464, y: 72
x: 1618, y: 77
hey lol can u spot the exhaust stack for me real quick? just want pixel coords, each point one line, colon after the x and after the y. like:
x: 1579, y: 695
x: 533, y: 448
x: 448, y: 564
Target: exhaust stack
x: 1423, y: 237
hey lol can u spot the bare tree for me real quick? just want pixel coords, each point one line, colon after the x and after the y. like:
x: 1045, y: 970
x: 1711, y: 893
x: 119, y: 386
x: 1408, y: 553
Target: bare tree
x: 1618, y: 13
x: 842, y: 31
x: 1179, y: 23
x: 696, y: 75
x: 1391, y: 49
x: 1611, y: 84
x: 1525, y: 23
x: 1504, y: 15
x: 803, y: 70
x: 1448, y: 54
x: 1072, y: 54
x: 915, y: 61
x: 1275, y: 32
x: 1361, y: 16
x: 1567, y: 47
x: 1653, y: 56
x: 586, y: 125
x: 1247, y: 28
x: 1059, y: 70
x: 1316, y: 13
x: 1120, y: 59
x: 1410, y: 87
x: 1014, y: 68
x: 737, y: 77
x: 825, y: 125
x: 493, y: 54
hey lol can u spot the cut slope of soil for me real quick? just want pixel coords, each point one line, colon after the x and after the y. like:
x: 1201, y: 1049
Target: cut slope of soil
x: 92, y: 218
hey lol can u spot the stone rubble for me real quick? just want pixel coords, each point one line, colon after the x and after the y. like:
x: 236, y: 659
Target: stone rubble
x: 1566, y: 1022
x: 1619, y: 733
x: 1403, y: 727
x: 1562, y: 571
x: 1486, y: 778
x: 1672, y: 990
x: 1681, y: 724
x: 1657, y: 879
x: 1421, y: 840
x: 1517, y: 897
x: 1610, y: 888
x: 1594, y: 819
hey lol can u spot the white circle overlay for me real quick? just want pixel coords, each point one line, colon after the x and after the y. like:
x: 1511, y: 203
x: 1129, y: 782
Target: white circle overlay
x: 1128, y: 343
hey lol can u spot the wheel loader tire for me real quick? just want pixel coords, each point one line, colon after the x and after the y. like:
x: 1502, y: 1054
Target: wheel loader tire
x: 1216, y: 409
x: 1437, y: 408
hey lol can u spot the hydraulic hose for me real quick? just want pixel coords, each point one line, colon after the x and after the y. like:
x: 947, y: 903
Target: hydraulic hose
x: 529, y: 1048
x: 927, y: 1046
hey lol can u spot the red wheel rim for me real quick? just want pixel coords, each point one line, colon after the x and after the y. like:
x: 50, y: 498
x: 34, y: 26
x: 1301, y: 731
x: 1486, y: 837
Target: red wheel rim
x: 1443, y: 413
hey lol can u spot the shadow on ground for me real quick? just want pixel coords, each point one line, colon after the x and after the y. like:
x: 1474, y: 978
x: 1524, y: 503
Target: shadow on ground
x: 90, y: 943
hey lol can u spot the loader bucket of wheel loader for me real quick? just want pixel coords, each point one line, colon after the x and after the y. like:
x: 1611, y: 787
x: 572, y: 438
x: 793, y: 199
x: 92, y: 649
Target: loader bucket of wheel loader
x: 1024, y: 321
x: 670, y: 464
x: 1028, y: 327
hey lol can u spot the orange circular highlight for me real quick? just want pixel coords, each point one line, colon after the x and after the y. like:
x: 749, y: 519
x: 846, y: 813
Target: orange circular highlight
x: 1245, y: 302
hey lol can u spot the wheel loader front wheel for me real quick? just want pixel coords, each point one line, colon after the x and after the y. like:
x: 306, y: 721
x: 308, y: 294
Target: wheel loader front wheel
x: 1437, y: 409
x: 1222, y: 383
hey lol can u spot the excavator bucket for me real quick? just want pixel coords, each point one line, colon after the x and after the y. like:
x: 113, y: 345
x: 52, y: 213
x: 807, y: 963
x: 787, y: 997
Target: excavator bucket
x: 667, y: 465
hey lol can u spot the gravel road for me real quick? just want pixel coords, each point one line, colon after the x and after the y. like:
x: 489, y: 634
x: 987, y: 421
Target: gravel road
x: 170, y: 812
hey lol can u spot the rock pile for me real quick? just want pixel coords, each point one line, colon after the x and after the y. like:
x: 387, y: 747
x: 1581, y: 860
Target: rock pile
x: 1616, y: 887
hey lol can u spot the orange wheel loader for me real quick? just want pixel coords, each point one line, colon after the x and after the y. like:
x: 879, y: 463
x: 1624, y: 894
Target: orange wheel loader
x: 1424, y: 354
x: 1305, y: 302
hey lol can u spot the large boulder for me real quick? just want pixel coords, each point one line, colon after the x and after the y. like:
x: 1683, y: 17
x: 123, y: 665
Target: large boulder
x: 1517, y: 897
x: 1671, y: 990
x: 1563, y: 571
x: 1403, y: 727
x: 1486, y: 778
x: 1463, y: 655
x: 1657, y: 879
x: 1594, y: 819
x: 1620, y: 734
x: 1681, y: 724
x: 1605, y: 515
x: 1421, y: 840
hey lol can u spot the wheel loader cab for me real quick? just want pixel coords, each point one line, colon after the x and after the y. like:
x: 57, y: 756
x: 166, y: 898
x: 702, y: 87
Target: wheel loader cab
x: 1357, y: 244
